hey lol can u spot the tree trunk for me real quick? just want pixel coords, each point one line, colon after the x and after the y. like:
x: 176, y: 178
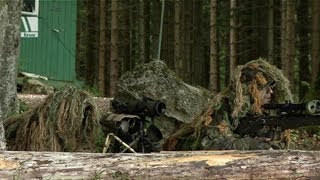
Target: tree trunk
x: 277, y: 33
x: 102, y: 49
x: 199, y: 62
x: 214, y: 68
x: 270, y: 31
x: 188, y: 41
x: 262, y: 29
x: 147, y: 30
x: 125, y: 22
x: 155, y: 16
x: 177, y: 41
x: 290, y: 43
x: 167, y: 47
x: 283, y: 36
x: 142, y: 48
x: 315, y: 44
x: 92, y: 44
x: 244, y: 35
x: 134, y: 47
x: 114, y: 56
x: 10, y: 12
x: 81, y: 45
x: 232, y: 37
x: 193, y: 46
x: 303, y: 48
x: 164, y: 165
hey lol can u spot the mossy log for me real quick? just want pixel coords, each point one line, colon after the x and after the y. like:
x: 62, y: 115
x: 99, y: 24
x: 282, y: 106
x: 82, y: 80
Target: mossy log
x: 164, y: 165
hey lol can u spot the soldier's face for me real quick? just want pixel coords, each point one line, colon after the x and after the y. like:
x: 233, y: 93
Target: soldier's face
x: 265, y: 95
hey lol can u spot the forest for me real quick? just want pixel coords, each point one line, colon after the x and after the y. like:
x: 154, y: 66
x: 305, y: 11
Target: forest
x: 202, y: 41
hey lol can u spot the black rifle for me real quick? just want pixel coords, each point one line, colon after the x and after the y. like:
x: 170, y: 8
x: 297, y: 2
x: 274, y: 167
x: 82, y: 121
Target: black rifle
x: 145, y: 109
x: 287, y: 116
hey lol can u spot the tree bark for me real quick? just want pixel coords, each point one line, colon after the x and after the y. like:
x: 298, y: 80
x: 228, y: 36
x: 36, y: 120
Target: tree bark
x: 10, y: 12
x: 270, y: 31
x: 114, y: 56
x: 81, y: 43
x: 290, y: 43
x: 214, y: 68
x: 315, y: 45
x: 164, y: 165
x: 303, y: 48
x: 155, y: 15
x: 147, y: 21
x: 142, y: 36
x: 232, y: 37
x: 177, y: 39
x: 283, y: 36
x: 188, y: 46
x: 92, y: 43
x: 126, y: 22
x: 102, y: 48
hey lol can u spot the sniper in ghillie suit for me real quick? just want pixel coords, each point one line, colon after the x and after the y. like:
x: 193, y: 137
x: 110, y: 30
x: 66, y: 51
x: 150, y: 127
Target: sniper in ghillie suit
x: 154, y: 110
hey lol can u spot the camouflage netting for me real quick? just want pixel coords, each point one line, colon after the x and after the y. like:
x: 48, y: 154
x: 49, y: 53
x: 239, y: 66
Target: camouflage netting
x: 34, y: 86
x: 240, y: 101
x: 68, y: 120
x: 239, y: 91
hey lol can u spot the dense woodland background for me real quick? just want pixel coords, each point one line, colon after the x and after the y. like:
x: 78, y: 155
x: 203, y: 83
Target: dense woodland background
x: 202, y: 40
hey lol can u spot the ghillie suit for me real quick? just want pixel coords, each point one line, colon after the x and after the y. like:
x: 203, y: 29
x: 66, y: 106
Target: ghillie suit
x: 68, y: 120
x: 214, y: 128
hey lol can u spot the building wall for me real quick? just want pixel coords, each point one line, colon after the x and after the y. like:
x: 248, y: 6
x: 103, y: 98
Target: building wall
x: 52, y: 53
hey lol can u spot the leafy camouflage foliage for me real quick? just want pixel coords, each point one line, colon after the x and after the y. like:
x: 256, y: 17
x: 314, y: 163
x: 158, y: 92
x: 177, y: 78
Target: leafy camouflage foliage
x: 68, y: 120
x: 213, y: 129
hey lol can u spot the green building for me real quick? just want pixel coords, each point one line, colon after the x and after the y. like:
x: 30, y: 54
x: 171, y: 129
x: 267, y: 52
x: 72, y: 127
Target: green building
x: 48, y: 39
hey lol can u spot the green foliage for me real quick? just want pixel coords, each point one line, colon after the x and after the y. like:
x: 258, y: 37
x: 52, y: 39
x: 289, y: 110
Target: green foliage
x: 97, y: 175
x: 93, y: 90
x: 100, y: 141
x: 314, y: 91
x: 120, y: 175
x: 306, y: 138
x: 23, y: 63
x: 21, y: 107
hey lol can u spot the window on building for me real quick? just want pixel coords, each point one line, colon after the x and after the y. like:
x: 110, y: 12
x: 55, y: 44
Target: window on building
x: 30, y: 7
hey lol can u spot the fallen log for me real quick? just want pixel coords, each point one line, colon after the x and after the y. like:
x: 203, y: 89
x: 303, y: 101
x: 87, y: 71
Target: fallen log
x: 164, y: 165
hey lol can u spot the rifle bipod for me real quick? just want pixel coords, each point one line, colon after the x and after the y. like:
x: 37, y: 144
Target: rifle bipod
x: 138, y: 143
x: 140, y: 140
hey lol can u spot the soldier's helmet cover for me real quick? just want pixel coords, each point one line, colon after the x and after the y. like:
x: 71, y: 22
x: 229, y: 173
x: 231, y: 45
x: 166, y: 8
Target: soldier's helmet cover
x: 251, y: 77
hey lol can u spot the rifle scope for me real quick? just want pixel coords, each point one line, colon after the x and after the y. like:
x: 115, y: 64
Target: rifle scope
x: 146, y: 106
x: 311, y: 107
